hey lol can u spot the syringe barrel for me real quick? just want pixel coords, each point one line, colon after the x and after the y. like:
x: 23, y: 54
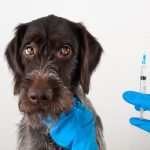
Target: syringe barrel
x: 143, y: 79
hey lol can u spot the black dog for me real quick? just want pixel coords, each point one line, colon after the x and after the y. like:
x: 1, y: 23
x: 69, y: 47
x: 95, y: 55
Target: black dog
x: 52, y: 60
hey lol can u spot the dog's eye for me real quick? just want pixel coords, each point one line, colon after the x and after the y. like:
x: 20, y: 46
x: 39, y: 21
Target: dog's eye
x: 30, y: 50
x: 64, y: 51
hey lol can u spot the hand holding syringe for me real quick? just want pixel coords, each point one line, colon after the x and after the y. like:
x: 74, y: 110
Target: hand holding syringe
x: 140, y: 100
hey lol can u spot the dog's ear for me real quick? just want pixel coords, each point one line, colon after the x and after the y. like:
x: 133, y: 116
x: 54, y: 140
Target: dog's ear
x: 90, y: 55
x: 12, y: 54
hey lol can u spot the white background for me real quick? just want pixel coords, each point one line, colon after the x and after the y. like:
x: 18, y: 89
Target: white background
x: 122, y: 28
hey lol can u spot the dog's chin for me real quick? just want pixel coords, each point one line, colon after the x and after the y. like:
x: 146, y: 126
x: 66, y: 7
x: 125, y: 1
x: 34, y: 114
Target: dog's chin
x: 52, y: 108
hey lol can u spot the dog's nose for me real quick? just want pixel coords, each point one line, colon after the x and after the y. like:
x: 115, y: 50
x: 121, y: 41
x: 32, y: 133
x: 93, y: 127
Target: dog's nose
x: 39, y: 95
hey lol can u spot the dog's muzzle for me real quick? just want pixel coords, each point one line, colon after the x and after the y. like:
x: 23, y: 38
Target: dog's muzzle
x: 44, y: 92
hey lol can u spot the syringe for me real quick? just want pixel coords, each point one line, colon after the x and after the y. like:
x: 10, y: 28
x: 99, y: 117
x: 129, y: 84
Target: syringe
x: 143, y: 81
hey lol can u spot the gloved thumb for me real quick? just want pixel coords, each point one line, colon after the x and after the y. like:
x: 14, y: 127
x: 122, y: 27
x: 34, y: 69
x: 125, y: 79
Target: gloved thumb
x: 143, y: 124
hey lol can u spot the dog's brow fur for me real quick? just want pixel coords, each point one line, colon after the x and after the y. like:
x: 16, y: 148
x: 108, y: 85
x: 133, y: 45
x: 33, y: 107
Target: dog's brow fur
x: 60, y: 79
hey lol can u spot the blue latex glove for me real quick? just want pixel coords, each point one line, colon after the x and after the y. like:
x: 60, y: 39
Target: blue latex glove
x: 138, y: 100
x: 75, y: 130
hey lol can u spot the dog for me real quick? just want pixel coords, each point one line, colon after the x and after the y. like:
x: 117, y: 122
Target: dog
x: 52, y: 60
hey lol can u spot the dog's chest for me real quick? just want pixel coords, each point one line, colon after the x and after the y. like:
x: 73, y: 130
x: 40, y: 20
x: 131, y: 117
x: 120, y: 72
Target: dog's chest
x: 35, y: 138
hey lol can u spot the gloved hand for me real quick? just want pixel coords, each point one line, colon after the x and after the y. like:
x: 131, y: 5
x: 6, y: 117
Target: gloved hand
x: 139, y: 100
x: 75, y: 130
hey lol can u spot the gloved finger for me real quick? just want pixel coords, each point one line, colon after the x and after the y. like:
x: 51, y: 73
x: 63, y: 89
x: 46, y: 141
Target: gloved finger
x: 78, y: 106
x: 77, y: 103
x: 138, y: 108
x: 141, y: 123
x: 79, y: 111
x: 47, y: 121
x: 137, y: 99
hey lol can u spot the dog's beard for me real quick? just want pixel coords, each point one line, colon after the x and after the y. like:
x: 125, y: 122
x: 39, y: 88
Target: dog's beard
x: 61, y: 101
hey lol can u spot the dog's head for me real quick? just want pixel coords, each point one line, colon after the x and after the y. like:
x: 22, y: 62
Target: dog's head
x: 49, y: 58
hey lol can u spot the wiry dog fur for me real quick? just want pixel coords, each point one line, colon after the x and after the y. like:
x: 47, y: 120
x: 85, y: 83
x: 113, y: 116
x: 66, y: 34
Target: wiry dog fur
x: 39, y: 59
